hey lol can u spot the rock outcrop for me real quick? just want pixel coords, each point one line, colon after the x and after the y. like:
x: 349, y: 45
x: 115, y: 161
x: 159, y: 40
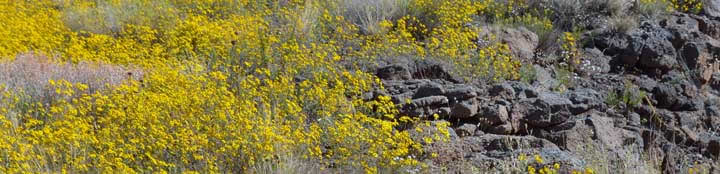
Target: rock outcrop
x: 672, y: 110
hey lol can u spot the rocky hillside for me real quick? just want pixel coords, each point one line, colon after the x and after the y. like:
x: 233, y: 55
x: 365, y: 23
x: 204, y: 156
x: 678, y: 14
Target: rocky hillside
x: 643, y: 99
x: 360, y: 86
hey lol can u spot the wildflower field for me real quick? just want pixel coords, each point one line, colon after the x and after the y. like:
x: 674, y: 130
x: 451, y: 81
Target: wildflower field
x: 232, y: 86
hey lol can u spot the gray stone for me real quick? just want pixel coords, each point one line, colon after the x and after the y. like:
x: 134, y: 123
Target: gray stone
x: 394, y: 72
x: 595, y: 62
x: 712, y: 8
x: 461, y: 93
x: 465, y: 109
x: 429, y: 101
x: 494, y: 115
x: 504, y: 129
x: 549, y: 109
x: 503, y: 90
x: 429, y: 89
x: 466, y: 130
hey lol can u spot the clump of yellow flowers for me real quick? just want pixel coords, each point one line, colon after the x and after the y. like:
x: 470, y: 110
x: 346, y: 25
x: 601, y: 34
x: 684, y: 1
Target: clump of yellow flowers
x: 694, y: 6
x: 569, y: 50
x: 537, y: 165
x: 228, y: 85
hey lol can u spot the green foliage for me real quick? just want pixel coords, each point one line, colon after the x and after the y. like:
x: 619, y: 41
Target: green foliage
x: 630, y: 96
x: 564, y: 76
x: 528, y: 73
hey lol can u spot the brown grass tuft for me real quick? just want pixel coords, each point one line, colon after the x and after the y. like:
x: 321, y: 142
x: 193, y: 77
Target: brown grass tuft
x: 29, y: 73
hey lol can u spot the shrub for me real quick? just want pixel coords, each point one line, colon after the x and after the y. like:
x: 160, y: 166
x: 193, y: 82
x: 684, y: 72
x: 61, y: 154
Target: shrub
x: 110, y: 17
x: 655, y: 7
x: 630, y: 96
x: 368, y: 14
x: 30, y: 74
x: 622, y: 23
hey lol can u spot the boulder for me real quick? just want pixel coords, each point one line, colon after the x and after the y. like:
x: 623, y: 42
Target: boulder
x: 502, y: 90
x: 466, y: 130
x: 694, y: 46
x: 711, y: 8
x: 713, y: 149
x: 493, y: 116
x: 625, y: 51
x: 429, y: 89
x: 594, y: 62
x: 521, y: 41
x: 607, y: 134
x: 459, y: 93
x: 504, y: 129
x: 584, y: 99
x: 464, y: 109
x: 657, y: 52
x: 544, y: 75
x: 672, y: 96
x: 547, y: 110
x: 394, y: 72
x: 432, y: 69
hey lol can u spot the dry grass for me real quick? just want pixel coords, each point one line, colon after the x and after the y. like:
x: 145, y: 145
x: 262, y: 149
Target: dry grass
x: 622, y: 23
x: 650, y: 8
x: 290, y: 164
x: 106, y: 17
x: 369, y: 13
x: 30, y: 73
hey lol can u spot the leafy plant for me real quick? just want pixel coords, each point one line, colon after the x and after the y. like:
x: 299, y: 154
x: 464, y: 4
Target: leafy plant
x: 564, y: 76
x: 630, y: 96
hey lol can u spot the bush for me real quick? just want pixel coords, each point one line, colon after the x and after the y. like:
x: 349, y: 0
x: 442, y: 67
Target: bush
x: 658, y: 7
x: 629, y: 97
x: 30, y: 74
x: 368, y: 14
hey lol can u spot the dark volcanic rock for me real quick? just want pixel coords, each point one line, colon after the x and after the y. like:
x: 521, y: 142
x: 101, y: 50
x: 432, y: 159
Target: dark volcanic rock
x: 464, y: 109
x: 432, y: 69
x: 713, y: 148
x: 461, y: 93
x: 494, y: 115
x: 657, y: 52
x: 584, y: 99
x: 676, y: 60
x: 671, y: 96
x: 547, y: 110
x: 466, y: 130
x: 624, y: 50
x: 503, y: 90
x: 394, y: 72
x: 429, y: 89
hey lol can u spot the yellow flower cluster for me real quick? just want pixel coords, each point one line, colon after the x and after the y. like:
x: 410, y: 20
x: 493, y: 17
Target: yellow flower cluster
x: 27, y: 27
x: 694, y: 6
x: 537, y: 166
x: 454, y: 38
x: 182, y: 119
x: 229, y: 85
x: 519, y: 12
x: 569, y: 50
